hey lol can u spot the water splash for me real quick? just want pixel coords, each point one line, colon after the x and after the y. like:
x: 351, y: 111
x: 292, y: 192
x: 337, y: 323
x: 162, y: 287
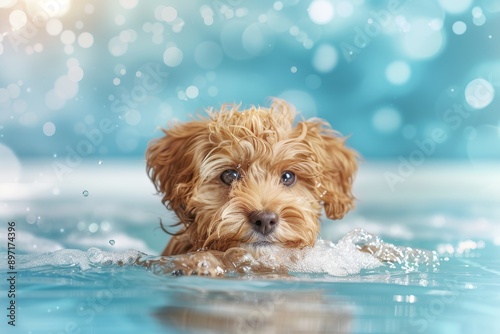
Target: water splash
x: 405, y: 258
x: 356, y: 251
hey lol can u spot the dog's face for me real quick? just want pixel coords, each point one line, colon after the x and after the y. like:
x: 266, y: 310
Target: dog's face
x: 252, y: 179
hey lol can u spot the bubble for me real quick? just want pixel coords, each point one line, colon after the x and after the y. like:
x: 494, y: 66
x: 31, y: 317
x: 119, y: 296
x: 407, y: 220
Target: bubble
x: 293, y: 69
x: 208, y: 55
x: 459, y: 28
x: 386, y: 120
x: 479, y: 21
x: 119, y: 20
x: 325, y: 58
x: 256, y: 39
x: 479, y: 93
x: 14, y: 91
x: 68, y: 37
x: 105, y: 225
x: 69, y: 49
x: 120, y: 69
x: 398, y: 72
x: 129, y: 4
x: 53, y: 101
x: 133, y: 117
x: 117, y: 47
x: 66, y: 88
x: 422, y: 41
x: 169, y: 14
x: 477, y: 12
x: 10, y: 168
x: 178, y: 25
x: 54, y: 27
x: 75, y: 74
x: 85, y: 193
x: 112, y: 242
x: 85, y: 40
x: 72, y: 62
x: 172, y: 56
x: 344, y: 9
x: 157, y: 28
x: 321, y: 11
x: 128, y: 36
x: 192, y: 92
x: 49, y: 129
x: 455, y: 6
x: 18, y: 19
x: 207, y: 14
x: 116, y: 81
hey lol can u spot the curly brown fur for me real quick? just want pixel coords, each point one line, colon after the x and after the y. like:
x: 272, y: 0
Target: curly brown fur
x: 259, y: 145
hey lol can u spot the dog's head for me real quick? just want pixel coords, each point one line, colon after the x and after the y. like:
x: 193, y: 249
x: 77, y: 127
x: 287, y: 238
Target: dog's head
x: 252, y: 179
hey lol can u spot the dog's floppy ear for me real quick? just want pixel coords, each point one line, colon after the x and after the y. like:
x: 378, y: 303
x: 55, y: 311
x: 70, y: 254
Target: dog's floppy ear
x: 337, y: 165
x: 171, y: 165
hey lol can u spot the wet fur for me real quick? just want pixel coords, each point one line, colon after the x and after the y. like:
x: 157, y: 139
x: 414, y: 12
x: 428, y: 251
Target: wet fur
x: 261, y: 143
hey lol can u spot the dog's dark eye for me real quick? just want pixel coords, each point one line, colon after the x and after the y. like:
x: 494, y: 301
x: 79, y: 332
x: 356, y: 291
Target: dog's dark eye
x: 229, y: 176
x: 288, y: 178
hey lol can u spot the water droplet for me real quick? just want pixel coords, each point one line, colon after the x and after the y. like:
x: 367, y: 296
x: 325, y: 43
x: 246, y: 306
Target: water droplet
x: 112, y: 242
x: 85, y: 193
x: 100, y: 162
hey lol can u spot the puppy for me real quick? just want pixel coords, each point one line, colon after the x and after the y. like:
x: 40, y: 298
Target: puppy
x: 251, y: 179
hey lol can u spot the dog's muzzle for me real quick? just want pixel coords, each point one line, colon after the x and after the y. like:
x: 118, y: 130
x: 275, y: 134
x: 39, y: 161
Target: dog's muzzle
x: 264, y: 222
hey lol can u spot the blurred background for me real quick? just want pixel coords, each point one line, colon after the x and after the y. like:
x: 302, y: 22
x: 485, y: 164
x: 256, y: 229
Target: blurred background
x: 85, y: 85
x: 95, y: 79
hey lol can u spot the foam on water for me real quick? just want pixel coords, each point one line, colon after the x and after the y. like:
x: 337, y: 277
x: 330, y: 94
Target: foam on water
x: 356, y: 251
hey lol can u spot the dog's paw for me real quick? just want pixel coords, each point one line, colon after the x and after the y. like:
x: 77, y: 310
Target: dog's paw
x: 198, y: 264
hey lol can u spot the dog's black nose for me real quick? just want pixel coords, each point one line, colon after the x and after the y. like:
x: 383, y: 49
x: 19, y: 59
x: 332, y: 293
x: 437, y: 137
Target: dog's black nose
x: 264, y: 221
